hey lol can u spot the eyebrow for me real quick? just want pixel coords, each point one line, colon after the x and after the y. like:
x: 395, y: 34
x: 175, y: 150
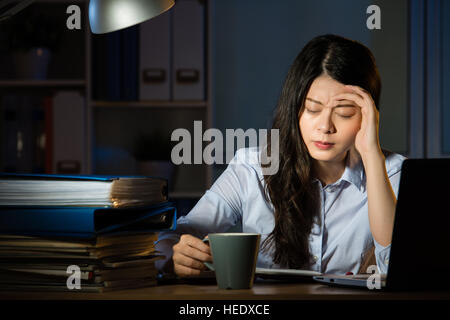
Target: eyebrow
x: 338, y: 106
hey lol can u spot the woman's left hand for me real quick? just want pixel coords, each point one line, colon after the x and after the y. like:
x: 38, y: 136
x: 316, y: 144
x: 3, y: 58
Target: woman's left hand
x: 367, y: 140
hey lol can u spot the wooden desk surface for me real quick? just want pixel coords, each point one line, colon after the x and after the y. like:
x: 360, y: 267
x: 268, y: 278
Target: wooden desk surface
x: 260, y: 291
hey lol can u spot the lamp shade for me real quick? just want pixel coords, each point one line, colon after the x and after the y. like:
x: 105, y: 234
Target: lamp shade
x: 111, y: 15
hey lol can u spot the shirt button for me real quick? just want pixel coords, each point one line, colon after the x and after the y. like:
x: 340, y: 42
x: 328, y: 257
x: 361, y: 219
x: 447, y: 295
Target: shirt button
x: 315, y: 258
x: 386, y: 261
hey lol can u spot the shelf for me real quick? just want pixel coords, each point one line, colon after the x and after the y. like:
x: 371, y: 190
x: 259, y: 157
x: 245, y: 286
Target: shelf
x: 42, y: 83
x: 150, y: 104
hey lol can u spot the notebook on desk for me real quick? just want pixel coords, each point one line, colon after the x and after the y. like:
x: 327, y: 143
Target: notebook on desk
x: 420, y: 237
x: 290, y: 275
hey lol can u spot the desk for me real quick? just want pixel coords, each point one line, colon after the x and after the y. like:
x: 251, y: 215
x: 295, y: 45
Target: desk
x: 260, y: 291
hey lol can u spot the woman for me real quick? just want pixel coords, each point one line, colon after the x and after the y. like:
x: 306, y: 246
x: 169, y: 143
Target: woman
x: 334, y: 195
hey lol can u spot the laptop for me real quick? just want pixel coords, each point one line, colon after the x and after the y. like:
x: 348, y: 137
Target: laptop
x: 419, y: 258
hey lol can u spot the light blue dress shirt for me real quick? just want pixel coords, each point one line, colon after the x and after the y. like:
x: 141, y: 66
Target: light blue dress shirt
x: 337, y: 245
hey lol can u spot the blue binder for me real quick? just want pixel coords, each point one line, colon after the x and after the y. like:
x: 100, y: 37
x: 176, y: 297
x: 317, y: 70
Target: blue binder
x: 85, y: 222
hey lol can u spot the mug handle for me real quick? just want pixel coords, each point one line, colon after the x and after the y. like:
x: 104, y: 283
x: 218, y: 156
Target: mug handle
x: 208, y: 264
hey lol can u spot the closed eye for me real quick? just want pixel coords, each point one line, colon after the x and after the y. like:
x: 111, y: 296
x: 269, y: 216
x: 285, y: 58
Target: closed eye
x: 340, y: 115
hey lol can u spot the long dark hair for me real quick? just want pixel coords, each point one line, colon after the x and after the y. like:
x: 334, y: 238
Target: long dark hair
x: 295, y: 198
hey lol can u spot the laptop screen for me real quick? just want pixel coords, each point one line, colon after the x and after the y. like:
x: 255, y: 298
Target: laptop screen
x: 421, y: 236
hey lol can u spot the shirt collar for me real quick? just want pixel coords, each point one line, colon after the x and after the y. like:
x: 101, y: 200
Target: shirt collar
x: 353, y: 173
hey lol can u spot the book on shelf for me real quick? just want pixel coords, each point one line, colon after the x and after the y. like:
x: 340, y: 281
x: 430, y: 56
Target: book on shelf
x: 68, y: 129
x: 154, y: 65
x: 22, y: 131
x: 130, y: 61
x: 36, y: 130
x: 115, y: 68
x: 188, y: 50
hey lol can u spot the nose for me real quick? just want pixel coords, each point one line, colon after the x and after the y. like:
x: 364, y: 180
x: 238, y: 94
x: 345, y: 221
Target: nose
x: 325, y: 124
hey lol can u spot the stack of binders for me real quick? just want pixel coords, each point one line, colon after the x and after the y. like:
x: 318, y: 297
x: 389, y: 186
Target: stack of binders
x: 80, y: 233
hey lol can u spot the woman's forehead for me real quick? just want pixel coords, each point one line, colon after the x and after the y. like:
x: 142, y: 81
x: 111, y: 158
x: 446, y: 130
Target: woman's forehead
x: 326, y: 86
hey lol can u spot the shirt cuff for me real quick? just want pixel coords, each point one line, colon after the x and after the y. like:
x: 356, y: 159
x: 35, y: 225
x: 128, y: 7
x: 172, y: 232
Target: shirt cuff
x: 175, y: 237
x: 164, y: 244
x: 382, y: 255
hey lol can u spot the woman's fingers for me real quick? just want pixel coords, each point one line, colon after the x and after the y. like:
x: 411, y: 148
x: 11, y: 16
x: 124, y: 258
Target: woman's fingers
x: 181, y: 270
x: 189, y: 254
x: 350, y: 96
x: 361, y: 91
x: 192, y: 253
x: 197, y: 254
x: 195, y: 243
x: 186, y: 261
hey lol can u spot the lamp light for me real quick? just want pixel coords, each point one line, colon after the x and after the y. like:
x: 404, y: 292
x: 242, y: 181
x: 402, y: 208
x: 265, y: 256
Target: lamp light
x: 112, y: 15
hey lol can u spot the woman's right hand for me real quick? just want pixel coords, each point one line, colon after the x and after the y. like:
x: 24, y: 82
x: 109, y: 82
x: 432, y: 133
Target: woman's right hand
x: 189, y: 254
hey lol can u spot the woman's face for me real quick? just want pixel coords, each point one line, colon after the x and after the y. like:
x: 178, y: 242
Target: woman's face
x: 327, y: 120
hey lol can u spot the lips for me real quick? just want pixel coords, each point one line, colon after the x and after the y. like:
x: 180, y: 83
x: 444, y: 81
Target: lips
x: 323, y: 145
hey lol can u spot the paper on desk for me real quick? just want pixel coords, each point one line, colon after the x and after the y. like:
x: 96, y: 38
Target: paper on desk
x: 286, y: 272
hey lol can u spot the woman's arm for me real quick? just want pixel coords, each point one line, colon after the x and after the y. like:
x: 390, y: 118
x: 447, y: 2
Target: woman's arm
x: 380, y: 197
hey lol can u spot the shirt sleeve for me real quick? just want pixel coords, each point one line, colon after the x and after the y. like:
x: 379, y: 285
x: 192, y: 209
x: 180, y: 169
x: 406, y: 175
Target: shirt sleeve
x: 382, y: 253
x: 220, y: 208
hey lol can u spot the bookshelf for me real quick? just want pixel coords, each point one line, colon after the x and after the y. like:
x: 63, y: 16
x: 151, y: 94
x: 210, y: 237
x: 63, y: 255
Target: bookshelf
x: 43, y: 83
x: 151, y: 104
x: 72, y: 69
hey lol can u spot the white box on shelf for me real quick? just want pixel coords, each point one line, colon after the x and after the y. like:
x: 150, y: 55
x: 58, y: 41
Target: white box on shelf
x: 154, y: 58
x: 68, y: 132
x: 188, y: 50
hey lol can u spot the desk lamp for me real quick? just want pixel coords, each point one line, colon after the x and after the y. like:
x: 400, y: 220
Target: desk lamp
x: 112, y: 15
